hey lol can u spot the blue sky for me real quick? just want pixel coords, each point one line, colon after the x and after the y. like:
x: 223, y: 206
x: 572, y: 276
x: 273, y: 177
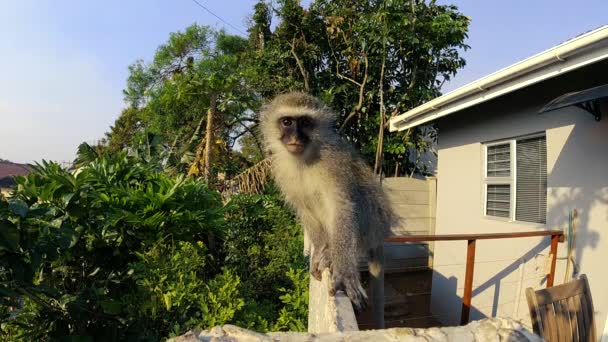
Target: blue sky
x: 63, y: 63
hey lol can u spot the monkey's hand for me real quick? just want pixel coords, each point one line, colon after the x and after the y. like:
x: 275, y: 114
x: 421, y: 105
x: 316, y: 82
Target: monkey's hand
x: 350, y: 284
x: 320, y: 261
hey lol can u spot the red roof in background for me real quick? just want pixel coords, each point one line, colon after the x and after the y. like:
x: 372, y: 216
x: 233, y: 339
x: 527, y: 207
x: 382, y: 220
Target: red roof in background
x: 13, y: 169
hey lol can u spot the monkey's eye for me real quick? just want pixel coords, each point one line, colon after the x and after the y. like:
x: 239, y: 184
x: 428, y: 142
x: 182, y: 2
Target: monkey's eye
x: 306, y: 122
x: 286, y: 122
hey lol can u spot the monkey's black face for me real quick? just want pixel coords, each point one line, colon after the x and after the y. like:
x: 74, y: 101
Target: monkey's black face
x: 296, y: 132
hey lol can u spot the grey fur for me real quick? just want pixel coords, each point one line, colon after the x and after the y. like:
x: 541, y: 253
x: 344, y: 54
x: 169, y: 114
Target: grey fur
x: 338, y: 200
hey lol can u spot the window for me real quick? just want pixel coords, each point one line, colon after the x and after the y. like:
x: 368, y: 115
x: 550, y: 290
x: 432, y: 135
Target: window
x: 516, y: 179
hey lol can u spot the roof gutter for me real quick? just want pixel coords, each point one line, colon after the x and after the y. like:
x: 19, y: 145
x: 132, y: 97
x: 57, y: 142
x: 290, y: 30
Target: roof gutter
x: 556, y: 54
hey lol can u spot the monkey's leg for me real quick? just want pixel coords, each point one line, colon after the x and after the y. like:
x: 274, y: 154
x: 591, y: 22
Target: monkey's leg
x: 376, y: 279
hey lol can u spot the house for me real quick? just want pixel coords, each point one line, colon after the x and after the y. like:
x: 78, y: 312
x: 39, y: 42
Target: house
x: 7, y: 171
x: 503, y: 166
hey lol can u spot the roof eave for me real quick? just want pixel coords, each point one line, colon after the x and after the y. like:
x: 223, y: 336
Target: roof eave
x: 583, y: 50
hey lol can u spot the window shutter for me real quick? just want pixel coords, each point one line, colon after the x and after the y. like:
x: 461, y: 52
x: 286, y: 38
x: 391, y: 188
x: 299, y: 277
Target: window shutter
x: 531, y: 188
x: 499, y: 160
x: 498, y: 200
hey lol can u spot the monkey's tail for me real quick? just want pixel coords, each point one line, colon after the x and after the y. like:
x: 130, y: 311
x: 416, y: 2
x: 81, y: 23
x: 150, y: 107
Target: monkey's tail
x: 376, y: 273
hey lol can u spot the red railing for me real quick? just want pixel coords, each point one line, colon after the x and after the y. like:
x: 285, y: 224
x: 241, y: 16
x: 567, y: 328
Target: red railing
x: 556, y: 236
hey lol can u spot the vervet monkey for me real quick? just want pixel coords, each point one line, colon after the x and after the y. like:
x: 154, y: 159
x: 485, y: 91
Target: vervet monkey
x: 337, y: 199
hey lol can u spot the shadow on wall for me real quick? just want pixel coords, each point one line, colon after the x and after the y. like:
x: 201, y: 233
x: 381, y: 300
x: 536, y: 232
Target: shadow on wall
x: 583, y: 200
x: 579, y: 180
x: 495, y: 281
x: 450, y: 299
x: 449, y: 287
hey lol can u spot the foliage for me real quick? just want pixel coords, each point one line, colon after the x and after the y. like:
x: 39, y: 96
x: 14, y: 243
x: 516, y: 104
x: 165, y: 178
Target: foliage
x: 126, y: 130
x: 293, y: 316
x: 195, y: 71
x: 177, y: 291
x: 126, y: 247
x: 72, y: 237
x: 369, y: 60
x: 251, y: 148
x: 263, y: 244
x: 118, y: 250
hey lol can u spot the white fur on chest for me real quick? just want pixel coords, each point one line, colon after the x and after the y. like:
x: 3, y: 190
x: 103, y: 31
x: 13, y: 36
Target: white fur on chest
x: 306, y: 188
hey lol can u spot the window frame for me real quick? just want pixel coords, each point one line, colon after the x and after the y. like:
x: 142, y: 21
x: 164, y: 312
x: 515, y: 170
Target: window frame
x: 499, y: 180
x: 510, y: 180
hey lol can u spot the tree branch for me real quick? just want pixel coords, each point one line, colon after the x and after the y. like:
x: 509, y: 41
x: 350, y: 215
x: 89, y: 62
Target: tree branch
x: 361, y: 96
x: 338, y: 68
x: 240, y: 121
x: 238, y: 135
x: 300, y: 65
x: 379, y: 148
x: 255, y: 138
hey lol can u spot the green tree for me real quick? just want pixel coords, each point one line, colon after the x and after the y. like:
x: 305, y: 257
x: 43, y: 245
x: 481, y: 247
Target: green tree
x: 194, y: 96
x: 369, y: 60
x: 126, y: 129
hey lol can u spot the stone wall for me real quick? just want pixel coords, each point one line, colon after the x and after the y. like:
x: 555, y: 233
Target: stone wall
x: 326, y: 313
x: 490, y: 330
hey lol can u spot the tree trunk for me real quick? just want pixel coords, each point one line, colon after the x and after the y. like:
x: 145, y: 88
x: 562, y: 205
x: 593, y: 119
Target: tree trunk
x: 378, y: 163
x: 261, y: 39
x: 209, y: 138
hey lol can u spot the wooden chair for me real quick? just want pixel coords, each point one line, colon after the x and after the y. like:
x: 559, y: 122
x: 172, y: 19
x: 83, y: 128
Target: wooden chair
x: 563, y: 312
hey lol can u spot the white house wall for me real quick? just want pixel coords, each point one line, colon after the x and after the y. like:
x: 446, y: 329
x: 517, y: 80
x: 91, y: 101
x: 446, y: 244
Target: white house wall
x: 577, y: 166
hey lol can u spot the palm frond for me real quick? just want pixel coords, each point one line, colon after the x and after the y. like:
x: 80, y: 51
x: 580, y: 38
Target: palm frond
x: 252, y: 180
x: 86, y: 154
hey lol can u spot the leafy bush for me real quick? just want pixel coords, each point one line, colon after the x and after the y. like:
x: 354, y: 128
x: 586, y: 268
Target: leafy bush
x: 177, y: 294
x: 263, y: 244
x: 69, y: 241
x: 293, y: 316
x: 120, y: 251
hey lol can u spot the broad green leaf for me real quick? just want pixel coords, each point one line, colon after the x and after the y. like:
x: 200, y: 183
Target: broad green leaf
x: 18, y: 207
x: 167, y: 300
x: 7, y: 292
x: 111, y: 307
x: 94, y: 272
x: 9, y: 236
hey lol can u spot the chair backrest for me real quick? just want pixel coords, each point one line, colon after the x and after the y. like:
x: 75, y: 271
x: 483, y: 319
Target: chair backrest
x: 563, y: 312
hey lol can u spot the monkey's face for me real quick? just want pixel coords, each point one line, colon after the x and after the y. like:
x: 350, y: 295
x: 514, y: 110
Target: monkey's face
x: 296, y: 132
x: 296, y: 125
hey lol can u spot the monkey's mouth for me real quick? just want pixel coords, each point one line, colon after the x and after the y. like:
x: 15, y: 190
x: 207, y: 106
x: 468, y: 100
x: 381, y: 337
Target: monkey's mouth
x: 295, y: 148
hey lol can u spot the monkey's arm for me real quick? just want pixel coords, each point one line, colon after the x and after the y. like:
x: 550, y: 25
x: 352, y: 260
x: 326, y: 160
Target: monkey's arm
x: 320, y: 258
x: 343, y: 248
